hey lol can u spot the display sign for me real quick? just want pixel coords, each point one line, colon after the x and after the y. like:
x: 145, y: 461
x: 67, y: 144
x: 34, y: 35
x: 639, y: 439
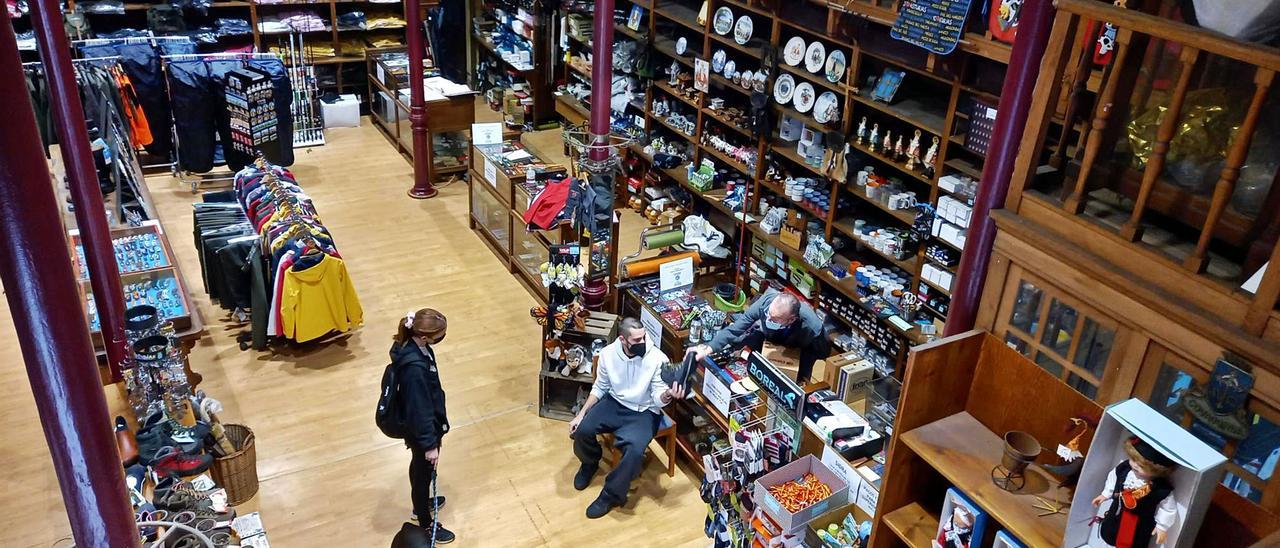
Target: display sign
x: 652, y: 325
x: 486, y: 134
x: 842, y: 468
x: 675, y: 275
x: 867, y: 497
x: 779, y: 387
x: 490, y: 173
x: 716, y: 393
x: 934, y: 25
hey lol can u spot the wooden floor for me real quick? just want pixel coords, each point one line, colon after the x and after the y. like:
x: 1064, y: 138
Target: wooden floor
x: 328, y: 478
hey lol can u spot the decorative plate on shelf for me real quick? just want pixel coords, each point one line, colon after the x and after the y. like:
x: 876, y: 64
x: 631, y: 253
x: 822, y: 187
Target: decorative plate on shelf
x: 717, y: 61
x: 747, y: 78
x: 682, y: 45
x: 804, y: 97
x: 730, y: 69
x: 723, y: 22
x: 761, y: 80
x: 794, y: 52
x: 742, y: 30
x: 815, y: 57
x: 783, y: 88
x: 827, y: 108
x: 836, y: 66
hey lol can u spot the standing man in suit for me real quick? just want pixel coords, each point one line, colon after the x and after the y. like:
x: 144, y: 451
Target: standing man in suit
x: 778, y: 318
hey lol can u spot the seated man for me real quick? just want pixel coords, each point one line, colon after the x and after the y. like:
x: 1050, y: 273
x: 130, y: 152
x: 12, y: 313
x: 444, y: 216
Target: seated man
x: 779, y: 318
x: 627, y: 400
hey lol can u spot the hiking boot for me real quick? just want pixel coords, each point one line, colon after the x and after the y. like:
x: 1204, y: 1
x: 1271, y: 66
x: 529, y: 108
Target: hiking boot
x: 583, y: 478
x: 169, y: 461
x: 600, y: 507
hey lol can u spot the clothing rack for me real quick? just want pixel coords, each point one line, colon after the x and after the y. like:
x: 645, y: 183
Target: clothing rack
x: 195, y: 179
x: 127, y: 40
x: 82, y: 60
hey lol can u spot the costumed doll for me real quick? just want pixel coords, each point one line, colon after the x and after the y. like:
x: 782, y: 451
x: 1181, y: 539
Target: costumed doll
x: 1142, y: 504
x: 957, y: 531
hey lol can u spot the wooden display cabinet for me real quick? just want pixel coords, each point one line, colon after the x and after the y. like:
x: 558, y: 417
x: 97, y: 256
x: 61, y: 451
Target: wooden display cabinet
x: 960, y: 395
x: 389, y: 111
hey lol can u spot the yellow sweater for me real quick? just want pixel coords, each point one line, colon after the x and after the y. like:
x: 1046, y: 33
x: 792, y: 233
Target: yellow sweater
x: 319, y: 300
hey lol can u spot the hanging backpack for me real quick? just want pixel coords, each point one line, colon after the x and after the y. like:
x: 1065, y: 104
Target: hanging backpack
x: 76, y: 25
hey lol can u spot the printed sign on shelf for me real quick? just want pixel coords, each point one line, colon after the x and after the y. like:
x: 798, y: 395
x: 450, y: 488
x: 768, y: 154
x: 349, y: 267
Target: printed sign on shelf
x: 935, y: 25
x: 486, y: 134
x: 675, y: 275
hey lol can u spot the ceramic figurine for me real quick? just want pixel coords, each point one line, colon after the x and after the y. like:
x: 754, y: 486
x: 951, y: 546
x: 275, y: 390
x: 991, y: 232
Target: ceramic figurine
x: 875, y: 135
x: 913, y: 151
x: 862, y: 130
x: 674, y: 71
x: 899, y: 153
x: 886, y: 148
x: 929, y: 158
x: 1141, y: 495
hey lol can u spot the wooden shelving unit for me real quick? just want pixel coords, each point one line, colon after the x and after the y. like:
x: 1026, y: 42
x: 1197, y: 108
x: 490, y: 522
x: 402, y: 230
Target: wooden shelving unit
x: 932, y: 99
x: 389, y: 112
x: 541, y: 75
x: 957, y: 402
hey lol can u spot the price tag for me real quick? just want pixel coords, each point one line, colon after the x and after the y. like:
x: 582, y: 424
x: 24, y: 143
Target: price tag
x: 652, y: 325
x: 675, y: 275
x: 490, y: 173
x: 1068, y: 454
x: 486, y: 134
x: 716, y: 393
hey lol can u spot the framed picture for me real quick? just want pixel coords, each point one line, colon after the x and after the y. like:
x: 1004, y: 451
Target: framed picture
x: 633, y: 20
x: 701, y: 75
x: 961, y: 522
x: 888, y: 85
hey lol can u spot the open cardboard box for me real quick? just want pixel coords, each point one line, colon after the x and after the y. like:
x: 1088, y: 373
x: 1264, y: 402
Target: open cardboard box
x: 788, y: 520
x: 835, y: 516
x: 1199, y: 470
x: 787, y: 360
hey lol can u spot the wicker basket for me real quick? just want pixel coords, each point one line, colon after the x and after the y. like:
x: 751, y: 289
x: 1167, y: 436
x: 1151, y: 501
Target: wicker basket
x: 238, y: 472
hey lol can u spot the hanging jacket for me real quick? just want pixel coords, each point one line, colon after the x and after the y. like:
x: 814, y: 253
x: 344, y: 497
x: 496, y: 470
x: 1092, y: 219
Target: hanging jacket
x: 422, y: 395
x: 318, y: 300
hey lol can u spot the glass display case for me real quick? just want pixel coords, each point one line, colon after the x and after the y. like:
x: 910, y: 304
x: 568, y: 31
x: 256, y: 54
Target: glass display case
x: 491, y: 214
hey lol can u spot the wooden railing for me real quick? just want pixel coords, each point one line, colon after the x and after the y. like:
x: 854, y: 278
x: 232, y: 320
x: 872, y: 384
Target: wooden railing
x: 1079, y: 115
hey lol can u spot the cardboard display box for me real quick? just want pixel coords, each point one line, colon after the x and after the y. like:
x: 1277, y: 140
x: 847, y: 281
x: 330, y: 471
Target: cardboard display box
x: 798, y: 468
x: 1199, y: 470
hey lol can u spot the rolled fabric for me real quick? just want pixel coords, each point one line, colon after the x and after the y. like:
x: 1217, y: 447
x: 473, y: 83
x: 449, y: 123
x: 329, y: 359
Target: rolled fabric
x: 659, y: 240
x: 651, y: 266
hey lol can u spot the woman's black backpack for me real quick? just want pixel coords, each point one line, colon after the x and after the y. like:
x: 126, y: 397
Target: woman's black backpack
x: 390, y: 415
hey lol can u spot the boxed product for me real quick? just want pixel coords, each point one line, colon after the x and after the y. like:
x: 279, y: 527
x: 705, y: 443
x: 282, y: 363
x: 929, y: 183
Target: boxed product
x: 345, y: 112
x: 848, y: 520
x: 1169, y: 476
x: 796, y: 470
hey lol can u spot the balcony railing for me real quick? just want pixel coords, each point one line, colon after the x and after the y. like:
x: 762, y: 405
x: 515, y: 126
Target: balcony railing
x: 1162, y: 139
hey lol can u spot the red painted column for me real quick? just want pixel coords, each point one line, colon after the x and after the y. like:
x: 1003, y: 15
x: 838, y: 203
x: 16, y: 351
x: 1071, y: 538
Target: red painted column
x: 1015, y: 103
x: 422, y: 186
x: 40, y: 287
x: 601, y: 76
x: 73, y: 139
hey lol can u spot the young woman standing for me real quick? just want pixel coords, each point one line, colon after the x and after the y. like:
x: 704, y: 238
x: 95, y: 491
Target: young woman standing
x: 423, y: 404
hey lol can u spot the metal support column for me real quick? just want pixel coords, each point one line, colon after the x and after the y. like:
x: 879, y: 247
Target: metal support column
x: 1015, y: 103
x: 91, y: 217
x: 422, y: 184
x: 40, y: 287
x: 601, y: 77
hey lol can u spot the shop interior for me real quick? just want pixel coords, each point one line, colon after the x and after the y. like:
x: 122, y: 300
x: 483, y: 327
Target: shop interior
x: 922, y: 273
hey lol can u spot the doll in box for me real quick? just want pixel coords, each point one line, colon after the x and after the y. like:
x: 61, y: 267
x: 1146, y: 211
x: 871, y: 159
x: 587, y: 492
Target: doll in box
x: 1142, y: 504
x: 958, y: 530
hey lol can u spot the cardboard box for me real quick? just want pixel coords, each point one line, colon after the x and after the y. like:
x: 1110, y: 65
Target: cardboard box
x: 344, y: 113
x: 798, y: 468
x: 1199, y: 470
x: 835, y: 516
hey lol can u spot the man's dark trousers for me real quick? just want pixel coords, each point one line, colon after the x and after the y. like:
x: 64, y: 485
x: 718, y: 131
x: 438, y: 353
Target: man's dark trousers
x: 632, y: 432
